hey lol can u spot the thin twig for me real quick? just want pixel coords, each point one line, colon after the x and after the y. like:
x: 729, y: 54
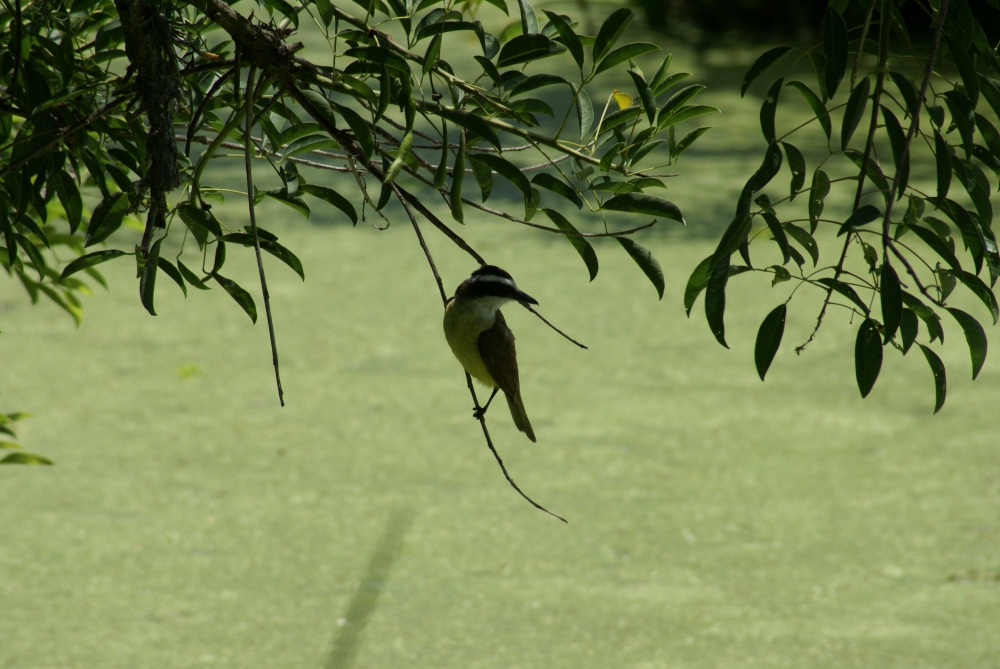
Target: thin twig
x: 468, y: 379
x: 532, y: 310
x: 489, y: 442
x: 248, y: 150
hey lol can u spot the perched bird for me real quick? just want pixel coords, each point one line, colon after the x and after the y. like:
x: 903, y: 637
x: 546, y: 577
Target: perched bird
x: 482, y: 342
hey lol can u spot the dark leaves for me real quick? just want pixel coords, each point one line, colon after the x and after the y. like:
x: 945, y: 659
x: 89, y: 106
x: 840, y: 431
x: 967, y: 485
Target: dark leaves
x: 89, y: 260
x: 646, y: 262
x: 940, y: 378
x: 241, y: 296
x: 975, y: 336
x: 768, y: 339
x: 766, y: 60
x: 867, y: 356
x: 891, y: 296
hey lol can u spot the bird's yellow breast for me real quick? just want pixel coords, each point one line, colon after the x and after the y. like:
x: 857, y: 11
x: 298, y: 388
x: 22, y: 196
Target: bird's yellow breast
x: 464, y: 321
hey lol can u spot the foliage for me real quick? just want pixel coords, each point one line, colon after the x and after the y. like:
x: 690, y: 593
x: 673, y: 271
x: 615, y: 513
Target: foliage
x: 111, y: 102
x: 899, y: 104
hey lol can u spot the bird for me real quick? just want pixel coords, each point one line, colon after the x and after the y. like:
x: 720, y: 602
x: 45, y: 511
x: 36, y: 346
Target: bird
x: 481, y: 341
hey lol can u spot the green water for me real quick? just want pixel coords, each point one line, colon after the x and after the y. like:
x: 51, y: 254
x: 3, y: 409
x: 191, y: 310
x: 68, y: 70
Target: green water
x: 715, y: 521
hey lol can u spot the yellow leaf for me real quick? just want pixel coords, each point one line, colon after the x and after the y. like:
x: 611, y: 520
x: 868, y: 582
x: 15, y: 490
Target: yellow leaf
x: 623, y: 99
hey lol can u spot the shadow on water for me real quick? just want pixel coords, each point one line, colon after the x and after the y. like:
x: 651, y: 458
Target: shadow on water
x: 362, y: 606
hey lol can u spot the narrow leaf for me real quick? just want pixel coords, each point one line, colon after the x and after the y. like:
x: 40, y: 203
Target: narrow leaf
x: 641, y: 203
x: 940, y: 378
x: 768, y: 339
x: 975, y: 336
x: 89, y: 260
x: 891, y: 296
x: 766, y: 60
x: 817, y: 106
x: 147, y: 278
x: 238, y: 294
x: 581, y: 245
x: 646, y: 262
x: 332, y: 197
x: 867, y: 356
x: 854, y: 111
x: 610, y: 31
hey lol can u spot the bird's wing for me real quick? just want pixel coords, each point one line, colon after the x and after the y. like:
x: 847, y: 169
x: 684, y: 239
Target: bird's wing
x: 496, y: 346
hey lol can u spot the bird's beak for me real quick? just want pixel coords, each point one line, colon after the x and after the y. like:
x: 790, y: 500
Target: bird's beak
x: 524, y: 298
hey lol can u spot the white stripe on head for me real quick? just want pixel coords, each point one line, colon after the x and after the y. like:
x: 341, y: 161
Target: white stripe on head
x: 493, y: 278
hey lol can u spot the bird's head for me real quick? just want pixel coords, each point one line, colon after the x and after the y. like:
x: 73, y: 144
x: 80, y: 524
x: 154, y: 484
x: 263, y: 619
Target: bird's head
x: 492, y: 285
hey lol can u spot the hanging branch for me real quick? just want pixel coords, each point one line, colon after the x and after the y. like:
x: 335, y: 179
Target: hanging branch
x: 248, y: 155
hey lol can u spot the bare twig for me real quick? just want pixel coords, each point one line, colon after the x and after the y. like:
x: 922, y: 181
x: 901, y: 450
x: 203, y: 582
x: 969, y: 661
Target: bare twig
x: 532, y: 310
x: 248, y: 151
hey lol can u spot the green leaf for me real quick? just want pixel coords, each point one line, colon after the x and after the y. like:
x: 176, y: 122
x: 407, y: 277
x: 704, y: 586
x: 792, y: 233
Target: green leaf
x: 936, y: 245
x: 940, y: 378
x: 732, y: 238
x: 834, y: 32
x: 678, y: 100
x: 468, y: 121
x: 685, y: 114
x: 927, y: 315
x: 457, y: 177
x: 982, y: 291
x: 22, y: 458
x: 191, y: 277
x: 768, y: 109
x: 294, y: 201
x: 645, y: 94
x: 484, y: 176
x: 805, y: 240
x: 241, y: 296
x: 891, y: 296
x: 943, y: 159
x: 271, y: 246
x: 557, y: 186
x: 506, y: 169
x: 845, y: 290
x: 529, y: 24
x: 201, y: 222
x: 581, y: 245
x: 867, y: 356
x: 975, y: 336
x: 536, y: 81
x: 688, y: 140
x: 715, y: 298
x: 854, y: 111
x: 641, y: 203
x: 967, y: 70
x: 778, y: 234
x: 89, y: 260
x: 173, y: 273
x: 766, y: 60
x: 907, y: 329
x: 584, y: 112
x: 990, y: 90
x: 107, y: 218
x: 862, y: 216
x: 69, y: 198
x: 321, y: 105
x: 525, y: 48
x: 359, y: 127
x: 624, y: 53
x: 569, y: 38
x: 817, y: 106
x: 818, y: 191
x: 768, y: 339
x: 897, y: 139
x: 331, y: 197
x: 610, y: 31
x: 797, y: 166
x: 147, y: 278
x: 696, y: 283
x: 646, y: 262
x: 908, y: 91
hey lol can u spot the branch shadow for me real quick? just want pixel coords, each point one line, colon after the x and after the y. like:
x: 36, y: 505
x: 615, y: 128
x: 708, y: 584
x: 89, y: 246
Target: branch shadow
x: 362, y: 606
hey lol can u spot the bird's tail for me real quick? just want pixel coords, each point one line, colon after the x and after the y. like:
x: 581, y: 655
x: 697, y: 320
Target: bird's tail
x: 518, y: 414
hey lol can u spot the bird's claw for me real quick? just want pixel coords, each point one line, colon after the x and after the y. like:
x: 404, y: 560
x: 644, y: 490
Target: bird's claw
x: 478, y: 413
